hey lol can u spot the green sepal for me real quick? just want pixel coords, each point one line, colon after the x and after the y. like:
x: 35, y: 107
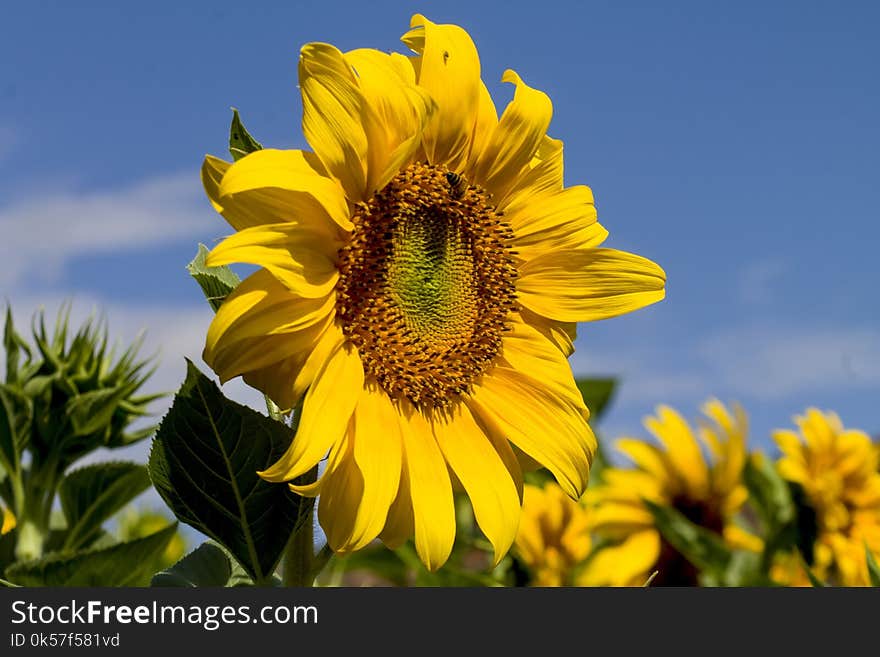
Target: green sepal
x: 240, y: 140
x: 216, y: 282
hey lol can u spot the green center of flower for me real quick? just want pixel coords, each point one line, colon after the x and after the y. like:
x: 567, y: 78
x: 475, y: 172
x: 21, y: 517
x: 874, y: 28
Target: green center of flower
x: 426, y: 285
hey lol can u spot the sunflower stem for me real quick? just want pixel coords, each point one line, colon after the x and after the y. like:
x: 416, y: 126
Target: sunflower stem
x: 296, y: 567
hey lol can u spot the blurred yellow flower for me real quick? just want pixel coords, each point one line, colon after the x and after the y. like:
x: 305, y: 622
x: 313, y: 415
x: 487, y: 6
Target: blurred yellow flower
x: 553, y: 537
x: 422, y: 271
x: 837, y: 469
x: 8, y: 521
x: 674, y: 473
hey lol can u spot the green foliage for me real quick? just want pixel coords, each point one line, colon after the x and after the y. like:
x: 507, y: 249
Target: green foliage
x: 92, y: 494
x: 216, y: 282
x: 121, y: 564
x: 597, y: 394
x: 63, y: 398
x: 240, y: 141
x: 204, y: 463
x: 873, y: 567
x: 207, y: 565
x: 702, y: 547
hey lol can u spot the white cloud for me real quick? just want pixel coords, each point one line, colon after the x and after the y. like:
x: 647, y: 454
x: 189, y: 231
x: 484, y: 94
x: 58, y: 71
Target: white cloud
x: 765, y: 363
x: 773, y: 363
x: 41, y: 235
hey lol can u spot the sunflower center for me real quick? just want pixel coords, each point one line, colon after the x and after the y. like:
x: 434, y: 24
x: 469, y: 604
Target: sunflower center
x: 426, y: 284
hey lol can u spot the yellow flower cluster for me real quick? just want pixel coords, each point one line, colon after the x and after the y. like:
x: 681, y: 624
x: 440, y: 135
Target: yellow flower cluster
x: 611, y: 537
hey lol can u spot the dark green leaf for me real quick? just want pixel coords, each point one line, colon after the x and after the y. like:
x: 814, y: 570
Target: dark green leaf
x: 873, y: 568
x: 90, y: 495
x: 123, y: 564
x: 216, y: 282
x: 597, y: 393
x: 207, y: 565
x: 204, y: 463
x: 703, y: 548
x: 14, y: 344
x: 8, y: 434
x: 240, y: 141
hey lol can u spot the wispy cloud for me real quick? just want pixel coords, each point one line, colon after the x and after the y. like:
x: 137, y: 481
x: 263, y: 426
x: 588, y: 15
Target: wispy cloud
x: 41, y: 235
x: 773, y: 363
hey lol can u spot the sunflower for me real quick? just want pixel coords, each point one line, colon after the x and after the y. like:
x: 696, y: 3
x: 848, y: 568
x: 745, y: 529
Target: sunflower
x: 422, y: 269
x: 553, y: 537
x: 837, y: 470
x: 676, y: 474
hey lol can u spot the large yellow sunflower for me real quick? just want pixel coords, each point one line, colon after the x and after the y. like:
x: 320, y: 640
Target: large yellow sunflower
x: 554, y: 535
x: 837, y: 469
x: 674, y: 473
x: 422, y: 270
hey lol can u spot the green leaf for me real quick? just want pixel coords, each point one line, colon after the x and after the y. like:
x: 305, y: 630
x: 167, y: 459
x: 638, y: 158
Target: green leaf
x: 91, y: 412
x: 873, y: 568
x: 597, y: 394
x: 204, y: 463
x: 814, y: 581
x: 769, y: 493
x: 14, y: 344
x: 8, y: 434
x: 703, y: 548
x: 207, y: 565
x: 240, y: 141
x: 216, y: 282
x: 123, y: 564
x: 90, y: 495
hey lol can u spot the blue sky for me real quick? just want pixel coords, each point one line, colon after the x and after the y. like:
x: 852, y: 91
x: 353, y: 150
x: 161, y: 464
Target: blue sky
x: 735, y: 143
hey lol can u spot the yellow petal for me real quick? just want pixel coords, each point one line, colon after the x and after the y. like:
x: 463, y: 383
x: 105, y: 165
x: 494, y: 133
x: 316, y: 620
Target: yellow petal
x: 560, y: 220
x: 650, y: 459
x: 213, y: 169
x: 487, y: 119
x: 480, y: 470
x: 448, y: 68
x: 261, y: 306
x: 377, y: 454
x: 340, y: 497
x: 430, y: 490
x: 276, y: 186
x: 8, y: 523
x: 336, y: 119
x: 402, y: 109
x: 739, y: 539
x: 539, y: 423
x: 628, y: 563
x: 516, y: 138
x: 615, y: 519
x: 561, y: 334
x: 589, y: 284
x: 400, y: 524
x: 304, y: 261
x: 682, y: 449
x: 327, y: 409
x: 528, y: 351
x: 543, y: 176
